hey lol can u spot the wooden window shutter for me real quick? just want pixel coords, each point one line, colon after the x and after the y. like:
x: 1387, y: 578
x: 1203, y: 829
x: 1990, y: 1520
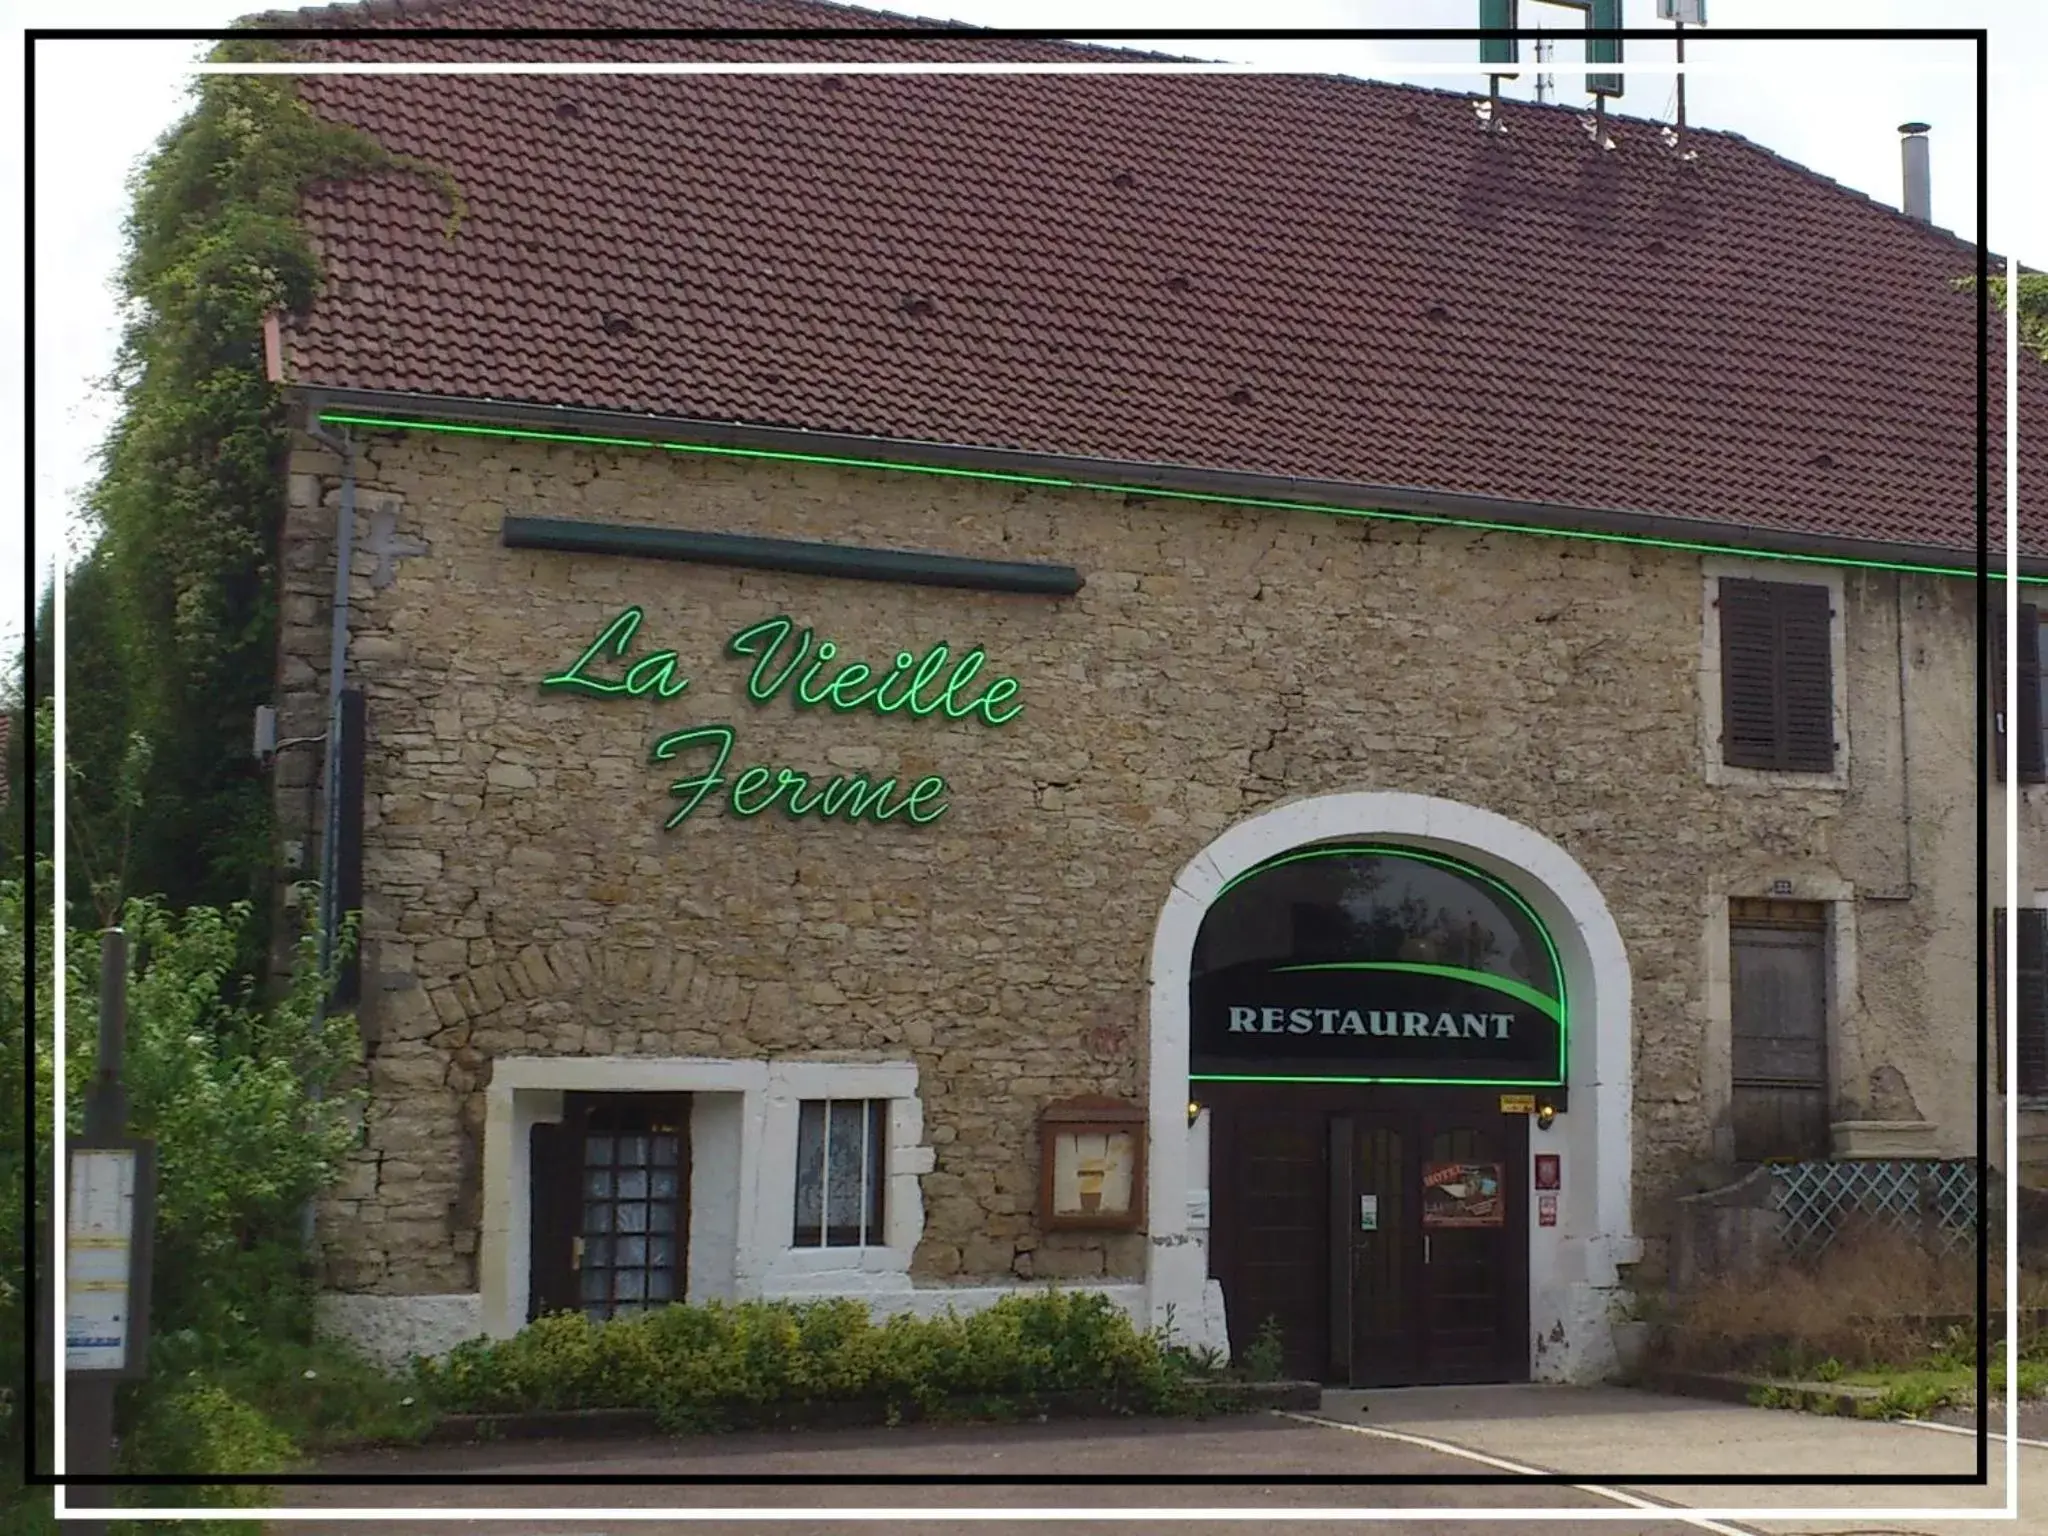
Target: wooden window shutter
x: 2031, y: 1074
x: 1749, y: 716
x: 2033, y: 767
x: 1777, y: 676
x: 1807, y: 678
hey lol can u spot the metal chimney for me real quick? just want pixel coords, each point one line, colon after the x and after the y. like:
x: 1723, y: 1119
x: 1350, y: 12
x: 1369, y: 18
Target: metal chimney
x: 1913, y: 152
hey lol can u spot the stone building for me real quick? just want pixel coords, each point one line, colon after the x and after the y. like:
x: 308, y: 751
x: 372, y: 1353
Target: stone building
x: 1246, y: 691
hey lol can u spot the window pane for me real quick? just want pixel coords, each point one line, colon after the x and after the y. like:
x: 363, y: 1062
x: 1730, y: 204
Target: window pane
x: 661, y: 1218
x: 1361, y: 905
x: 630, y: 1284
x: 661, y: 1285
x: 594, y: 1284
x: 597, y: 1149
x: 662, y: 1186
x: 844, y: 1177
x: 632, y: 1218
x: 664, y: 1151
x: 810, y: 1171
x: 661, y: 1252
x: 633, y: 1151
x: 598, y: 1183
x: 633, y: 1185
x: 597, y: 1217
x: 632, y: 1251
x: 597, y: 1252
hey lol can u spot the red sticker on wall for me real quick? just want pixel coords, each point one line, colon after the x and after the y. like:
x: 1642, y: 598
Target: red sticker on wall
x: 1546, y: 1210
x: 1549, y: 1170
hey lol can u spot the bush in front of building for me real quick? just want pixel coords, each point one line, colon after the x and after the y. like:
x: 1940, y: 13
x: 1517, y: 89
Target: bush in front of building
x: 194, y: 1426
x: 729, y: 1365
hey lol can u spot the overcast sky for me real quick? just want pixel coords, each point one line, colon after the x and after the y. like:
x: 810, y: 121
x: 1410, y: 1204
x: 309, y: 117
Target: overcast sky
x: 1834, y: 107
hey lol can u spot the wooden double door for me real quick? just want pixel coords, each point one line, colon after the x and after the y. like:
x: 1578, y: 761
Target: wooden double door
x: 1385, y: 1232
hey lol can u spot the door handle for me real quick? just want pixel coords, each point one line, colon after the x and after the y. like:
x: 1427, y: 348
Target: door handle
x: 575, y: 1253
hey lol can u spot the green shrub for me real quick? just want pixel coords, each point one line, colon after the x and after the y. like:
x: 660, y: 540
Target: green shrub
x: 722, y: 1365
x: 1265, y: 1357
x: 196, y: 1427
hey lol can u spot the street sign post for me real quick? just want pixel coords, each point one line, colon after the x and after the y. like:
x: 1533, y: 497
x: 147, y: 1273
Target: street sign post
x: 109, y: 1215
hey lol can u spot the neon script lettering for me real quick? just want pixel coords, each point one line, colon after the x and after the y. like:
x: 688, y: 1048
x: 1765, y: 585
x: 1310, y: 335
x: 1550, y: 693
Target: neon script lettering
x: 902, y: 688
x: 847, y: 797
x: 812, y: 673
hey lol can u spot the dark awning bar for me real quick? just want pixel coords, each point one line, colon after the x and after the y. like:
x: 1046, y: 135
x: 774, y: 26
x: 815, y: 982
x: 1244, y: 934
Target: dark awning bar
x: 853, y: 562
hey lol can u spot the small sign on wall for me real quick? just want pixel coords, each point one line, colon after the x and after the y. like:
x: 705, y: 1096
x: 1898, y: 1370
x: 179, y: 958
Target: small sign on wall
x: 1462, y: 1195
x: 1518, y: 1103
x: 1549, y: 1170
x: 1368, y: 1213
x: 1546, y: 1210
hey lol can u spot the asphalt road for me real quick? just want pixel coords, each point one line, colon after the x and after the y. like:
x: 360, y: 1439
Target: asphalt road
x: 1256, y: 1447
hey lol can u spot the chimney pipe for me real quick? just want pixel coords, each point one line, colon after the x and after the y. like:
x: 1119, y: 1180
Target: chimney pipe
x: 1913, y: 152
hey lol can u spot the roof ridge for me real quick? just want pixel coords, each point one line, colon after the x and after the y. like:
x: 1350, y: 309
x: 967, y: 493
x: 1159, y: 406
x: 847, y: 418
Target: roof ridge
x: 362, y: 13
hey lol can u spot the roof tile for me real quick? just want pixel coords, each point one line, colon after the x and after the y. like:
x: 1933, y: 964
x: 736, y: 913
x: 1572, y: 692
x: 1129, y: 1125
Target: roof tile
x: 1372, y: 288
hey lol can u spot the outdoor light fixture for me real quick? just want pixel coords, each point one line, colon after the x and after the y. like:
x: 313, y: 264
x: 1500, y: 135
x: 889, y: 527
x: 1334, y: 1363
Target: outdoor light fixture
x: 1194, y: 1111
x: 1545, y: 1114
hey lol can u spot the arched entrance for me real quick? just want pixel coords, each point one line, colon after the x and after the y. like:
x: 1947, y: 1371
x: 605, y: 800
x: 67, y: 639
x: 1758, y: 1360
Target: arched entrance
x: 1346, y: 987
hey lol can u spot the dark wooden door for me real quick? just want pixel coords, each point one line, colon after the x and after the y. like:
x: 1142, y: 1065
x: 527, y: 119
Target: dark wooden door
x: 611, y: 1205
x: 1474, y: 1230
x: 1322, y: 1222
x: 1437, y: 1286
x: 1270, y: 1233
x: 1779, y: 1098
x: 1384, y: 1243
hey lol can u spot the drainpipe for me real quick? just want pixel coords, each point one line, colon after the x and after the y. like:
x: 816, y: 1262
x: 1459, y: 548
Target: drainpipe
x: 330, y: 799
x: 1905, y: 751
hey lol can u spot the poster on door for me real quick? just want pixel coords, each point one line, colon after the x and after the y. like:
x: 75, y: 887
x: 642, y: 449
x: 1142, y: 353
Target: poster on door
x: 1462, y: 1195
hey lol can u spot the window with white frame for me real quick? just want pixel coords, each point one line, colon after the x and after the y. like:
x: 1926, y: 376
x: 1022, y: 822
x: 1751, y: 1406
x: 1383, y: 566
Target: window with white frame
x: 840, y: 1156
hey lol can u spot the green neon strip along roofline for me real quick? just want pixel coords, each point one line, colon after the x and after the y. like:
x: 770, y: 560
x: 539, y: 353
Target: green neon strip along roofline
x: 1055, y: 482
x: 1501, y: 984
x: 1413, y: 1082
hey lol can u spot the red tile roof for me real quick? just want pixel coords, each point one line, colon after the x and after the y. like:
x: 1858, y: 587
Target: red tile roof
x: 1301, y: 276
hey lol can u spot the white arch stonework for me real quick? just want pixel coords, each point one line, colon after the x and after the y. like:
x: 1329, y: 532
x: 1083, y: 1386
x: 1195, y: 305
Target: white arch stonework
x: 1572, y: 1266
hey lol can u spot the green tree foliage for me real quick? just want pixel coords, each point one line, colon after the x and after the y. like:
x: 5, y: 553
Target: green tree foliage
x: 245, y: 1100
x: 23, y: 1057
x: 2033, y: 308
x: 174, y: 619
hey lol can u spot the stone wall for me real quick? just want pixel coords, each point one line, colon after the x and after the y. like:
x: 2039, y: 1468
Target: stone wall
x: 523, y: 896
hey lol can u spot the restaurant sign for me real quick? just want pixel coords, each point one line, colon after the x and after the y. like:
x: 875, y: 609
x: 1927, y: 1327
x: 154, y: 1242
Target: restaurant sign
x: 1387, y: 1021
x: 811, y: 673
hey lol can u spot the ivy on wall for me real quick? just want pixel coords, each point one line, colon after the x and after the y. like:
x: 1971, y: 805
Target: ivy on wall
x: 173, y: 618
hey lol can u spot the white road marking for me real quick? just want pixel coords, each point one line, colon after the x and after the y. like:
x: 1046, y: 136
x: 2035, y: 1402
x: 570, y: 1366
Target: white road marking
x: 1664, y: 1511
x: 1997, y: 1436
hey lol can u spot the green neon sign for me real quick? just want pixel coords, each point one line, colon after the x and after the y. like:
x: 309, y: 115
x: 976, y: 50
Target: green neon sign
x: 1504, y: 985
x: 812, y: 674
x: 1548, y: 1000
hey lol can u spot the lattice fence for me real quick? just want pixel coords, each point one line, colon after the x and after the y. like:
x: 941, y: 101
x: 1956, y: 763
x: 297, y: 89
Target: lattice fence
x: 1921, y: 1197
